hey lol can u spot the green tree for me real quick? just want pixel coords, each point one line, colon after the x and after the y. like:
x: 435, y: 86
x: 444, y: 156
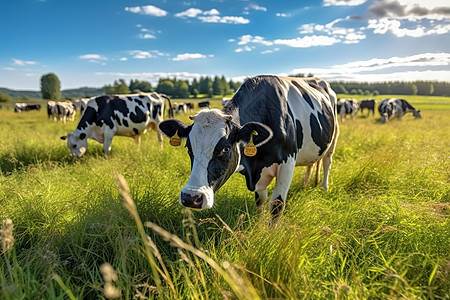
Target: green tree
x: 165, y: 86
x: 181, y: 89
x: 50, y: 87
x: 140, y: 86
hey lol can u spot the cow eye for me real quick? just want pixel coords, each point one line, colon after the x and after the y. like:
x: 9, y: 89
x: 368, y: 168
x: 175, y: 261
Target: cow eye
x: 74, y: 146
x: 226, y: 150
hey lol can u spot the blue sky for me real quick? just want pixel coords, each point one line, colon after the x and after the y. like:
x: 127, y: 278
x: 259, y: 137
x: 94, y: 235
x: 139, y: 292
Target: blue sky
x: 94, y: 42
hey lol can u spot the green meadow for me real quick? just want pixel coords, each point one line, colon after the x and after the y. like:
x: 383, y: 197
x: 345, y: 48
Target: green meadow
x: 111, y: 227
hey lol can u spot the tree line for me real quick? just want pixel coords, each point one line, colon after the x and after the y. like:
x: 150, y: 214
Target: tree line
x: 177, y: 88
x: 425, y: 88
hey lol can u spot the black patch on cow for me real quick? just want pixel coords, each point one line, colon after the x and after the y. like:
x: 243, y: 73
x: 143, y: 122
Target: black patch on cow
x: 156, y: 110
x: 299, y: 131
x: 135, y: 131
x: 320, y: 132
x: 125, y: 123
x: 130, y: 98
x: 117, y: 118
x: 142, y: 96
x: 304, y: 94
x: 138, y: 116
x: 139, y: 102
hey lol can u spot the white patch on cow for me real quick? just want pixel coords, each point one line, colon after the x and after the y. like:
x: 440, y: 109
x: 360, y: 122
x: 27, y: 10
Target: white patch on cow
x: 208, y: 128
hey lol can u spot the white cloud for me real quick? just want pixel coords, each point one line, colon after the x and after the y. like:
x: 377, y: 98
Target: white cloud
x: 369, y: 70
x: 244, y: 49
x: 190, y: 13
x: 94, y: 58
x: 8, y: 69
x: 187, y: 56
x: 308, y: 41
x: 270, y: 51
x: 21, y: 63
x: 140, y: 54
x: 245, y: 39
x: 211, y: 16
x: 147, y: 10
x: 283, y: 15
x: 393, y: 26
x: 343, y: 2
x: 255, y: 6
x: 145, y: 36
x: 410, y: 9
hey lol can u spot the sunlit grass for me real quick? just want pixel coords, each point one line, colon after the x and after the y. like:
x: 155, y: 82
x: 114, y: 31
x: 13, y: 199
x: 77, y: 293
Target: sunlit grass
x: 381, y: 231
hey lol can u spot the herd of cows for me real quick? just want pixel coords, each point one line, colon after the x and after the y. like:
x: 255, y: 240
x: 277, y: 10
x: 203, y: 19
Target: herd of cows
x: 271, y: 125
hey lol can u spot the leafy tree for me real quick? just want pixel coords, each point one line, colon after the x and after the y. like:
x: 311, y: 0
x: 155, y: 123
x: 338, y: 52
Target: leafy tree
x: 165, y: 86
x: 142, y: 86
x: 181, y: 89
x: 204, y: 85
x: 118, y: 87
x: 50, y: 87
x: 194, y: 93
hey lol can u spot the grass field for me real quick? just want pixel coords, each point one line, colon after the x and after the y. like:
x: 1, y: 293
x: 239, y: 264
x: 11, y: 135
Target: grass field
x: 381, y: 231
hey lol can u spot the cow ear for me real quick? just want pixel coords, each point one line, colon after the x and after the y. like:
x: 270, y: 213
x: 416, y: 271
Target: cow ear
x: 64, y: 137
x: 171, y: 126
x: 82, y: 136
x: 262, y: 136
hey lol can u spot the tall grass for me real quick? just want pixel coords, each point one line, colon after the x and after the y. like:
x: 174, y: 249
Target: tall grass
x: 381, y: 231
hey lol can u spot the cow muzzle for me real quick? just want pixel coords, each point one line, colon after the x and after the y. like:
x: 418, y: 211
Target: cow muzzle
x: 192, y: 199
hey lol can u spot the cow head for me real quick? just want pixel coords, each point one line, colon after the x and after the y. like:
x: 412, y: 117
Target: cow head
x: 416, y: 114
x: 384, y: 118
x: 77, y: 143
x: 213, y: 142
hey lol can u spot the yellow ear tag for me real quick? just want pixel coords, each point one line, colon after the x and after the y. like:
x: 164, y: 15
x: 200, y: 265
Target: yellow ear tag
x: 250, y: 148
x: 175, y: 140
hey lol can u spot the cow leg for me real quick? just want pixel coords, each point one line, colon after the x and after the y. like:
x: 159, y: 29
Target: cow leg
x: 108, y: 136
x: 160, y: 137
x: 283, y: 182
x: 260, y: 199
x: 326, y: 169
x: 308, y: 174
x: 316, y: 180
x: 137, y: 141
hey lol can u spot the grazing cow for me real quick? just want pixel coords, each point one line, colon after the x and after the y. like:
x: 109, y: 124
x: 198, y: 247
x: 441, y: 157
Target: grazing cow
x: 122, y: 115
x: 347, y: 107
x: 50, y: 105
x: 271, y: 125
x: 190, y: 106
x: 203, y: 104
x: 179, y: 108
x: 369, y: 104
x: 19, y: 107
x: 80, y: 104
x: 63, y: 110
x: 391, y: 107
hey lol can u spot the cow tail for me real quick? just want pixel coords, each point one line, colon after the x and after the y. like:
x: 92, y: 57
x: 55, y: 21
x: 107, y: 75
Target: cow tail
x: 170, y: 105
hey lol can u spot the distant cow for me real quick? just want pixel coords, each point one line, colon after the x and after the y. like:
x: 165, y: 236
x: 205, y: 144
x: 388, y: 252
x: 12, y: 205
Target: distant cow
x: 19, y: 107
x: 394, y: 107
x: 80, y: 104
x: 347, y: 107
x: 179, y: 108
x: 122, y: 115
x: 50, y: 105
x: 271, y: 125
x: 190, y: 106
x: 204, y: 104
x: 63, y: 110
x: 368, y: 104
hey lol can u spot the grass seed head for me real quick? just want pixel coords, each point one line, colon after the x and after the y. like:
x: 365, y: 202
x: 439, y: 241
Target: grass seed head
x: 6, y: 235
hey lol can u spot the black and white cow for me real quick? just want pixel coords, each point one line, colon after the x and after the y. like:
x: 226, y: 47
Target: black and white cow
x: 19, y: 107
x: 203, y: 104
x: 394, y: 107
x: 347, y: 107
x: 50, y: 105
x: 80, y: 104
x: 122, y: 115
x: 291, y: 121
x: 368, y: 104
x: 63, y: 110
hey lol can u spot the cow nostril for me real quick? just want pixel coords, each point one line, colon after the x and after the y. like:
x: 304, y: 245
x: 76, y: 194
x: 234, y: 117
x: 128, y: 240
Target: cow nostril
x: 192, y: 200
